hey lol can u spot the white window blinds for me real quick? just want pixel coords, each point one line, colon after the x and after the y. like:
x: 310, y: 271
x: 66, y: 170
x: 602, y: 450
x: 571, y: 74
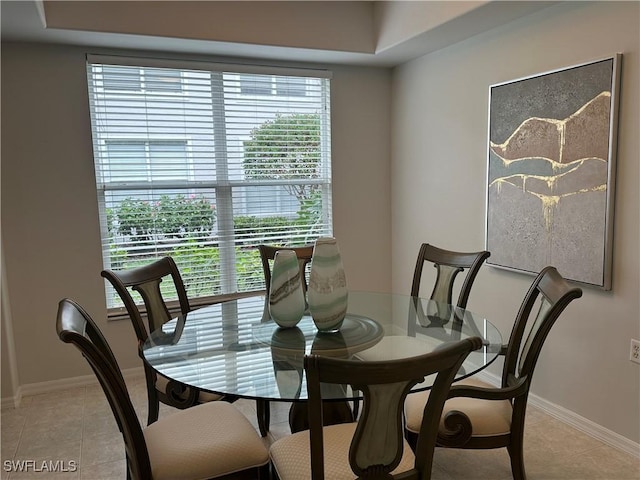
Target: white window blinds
x: 204, y: 162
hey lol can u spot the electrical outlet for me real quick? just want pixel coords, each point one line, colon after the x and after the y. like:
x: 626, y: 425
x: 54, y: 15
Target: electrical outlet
x: 634, y: 354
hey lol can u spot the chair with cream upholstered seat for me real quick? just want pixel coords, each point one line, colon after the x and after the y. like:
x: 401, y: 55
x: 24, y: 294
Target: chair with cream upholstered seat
x: 146, y: 281
x: 373, y: 447
x: 479, y: 415
x: 211, y: 440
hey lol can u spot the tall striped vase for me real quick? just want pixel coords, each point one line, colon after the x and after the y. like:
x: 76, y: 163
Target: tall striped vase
x: 327, y: 293
x: 286, y: 298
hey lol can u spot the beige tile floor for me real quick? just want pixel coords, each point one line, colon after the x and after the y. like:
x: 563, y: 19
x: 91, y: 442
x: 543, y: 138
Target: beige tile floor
x: 76, y: 424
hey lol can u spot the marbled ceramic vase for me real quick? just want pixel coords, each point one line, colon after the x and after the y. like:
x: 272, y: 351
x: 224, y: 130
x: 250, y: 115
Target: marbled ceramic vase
x: 327, y: 293
x: 286, y: 298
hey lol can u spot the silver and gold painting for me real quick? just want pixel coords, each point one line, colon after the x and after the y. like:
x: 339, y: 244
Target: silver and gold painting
x: 551, y: 172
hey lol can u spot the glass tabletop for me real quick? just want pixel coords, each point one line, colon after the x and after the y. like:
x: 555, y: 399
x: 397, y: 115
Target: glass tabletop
x: 235, y: 348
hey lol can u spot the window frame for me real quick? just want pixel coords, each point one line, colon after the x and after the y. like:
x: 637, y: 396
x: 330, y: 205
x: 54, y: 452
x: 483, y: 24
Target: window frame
x: 221, y: 185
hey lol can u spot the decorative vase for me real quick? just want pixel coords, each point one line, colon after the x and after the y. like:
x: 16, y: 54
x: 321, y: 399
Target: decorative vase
x: 286, y: 298
x: 327, y: 292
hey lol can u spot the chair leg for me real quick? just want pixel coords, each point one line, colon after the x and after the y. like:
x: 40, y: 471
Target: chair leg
x: 264, y: 472
x: 516, y: 456
x: 153, y: 402
x: 264, y: 416
x: 154, y: 406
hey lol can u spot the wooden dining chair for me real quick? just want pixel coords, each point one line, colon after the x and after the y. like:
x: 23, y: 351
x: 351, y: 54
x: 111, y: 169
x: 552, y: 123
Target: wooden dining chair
x: 479, y: 415
x: 267, y: 255
x: 146, y: 280
x: 373, y: 447
x: 448, y: 264
x: 441, y: 309
x: 212, y: 440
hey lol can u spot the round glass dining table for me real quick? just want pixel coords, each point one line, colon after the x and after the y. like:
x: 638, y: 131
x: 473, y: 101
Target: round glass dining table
x: 235, y: 348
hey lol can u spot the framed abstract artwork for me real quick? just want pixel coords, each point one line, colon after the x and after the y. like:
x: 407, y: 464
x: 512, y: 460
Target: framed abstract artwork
x: 551, y: 171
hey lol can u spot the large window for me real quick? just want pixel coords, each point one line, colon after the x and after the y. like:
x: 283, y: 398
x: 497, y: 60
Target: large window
x: 191, y: 163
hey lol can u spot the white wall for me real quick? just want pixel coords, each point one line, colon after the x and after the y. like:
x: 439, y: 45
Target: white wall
x: 439, y: 142
x: 49, y: 206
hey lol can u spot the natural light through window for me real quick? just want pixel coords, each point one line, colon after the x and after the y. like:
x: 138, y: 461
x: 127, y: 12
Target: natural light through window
x: 204, y: 162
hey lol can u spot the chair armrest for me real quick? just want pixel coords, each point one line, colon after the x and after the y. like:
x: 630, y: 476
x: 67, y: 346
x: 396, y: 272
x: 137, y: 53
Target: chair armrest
x: 519, y: 387
x: 457, y: 425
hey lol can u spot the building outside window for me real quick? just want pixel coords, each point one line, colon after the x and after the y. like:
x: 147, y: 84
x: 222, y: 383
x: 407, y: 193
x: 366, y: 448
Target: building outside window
x: 116, y: 78
x: 273, y: 85
x: 146, y: 160
x: 191, y: 162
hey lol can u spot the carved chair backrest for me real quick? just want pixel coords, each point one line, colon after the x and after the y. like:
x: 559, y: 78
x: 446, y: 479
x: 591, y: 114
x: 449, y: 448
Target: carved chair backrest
x: 448, y: 264
x: 146, y: 281
x: 377, y: 445
x: 75, y: 326
x: 532, y: 325
x: 268, y: 253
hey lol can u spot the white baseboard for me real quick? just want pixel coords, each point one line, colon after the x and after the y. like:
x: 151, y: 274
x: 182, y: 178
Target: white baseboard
x: 62, y: 384
x: 574, y: 420
x: 12, y: 402
x: 585, y: 425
